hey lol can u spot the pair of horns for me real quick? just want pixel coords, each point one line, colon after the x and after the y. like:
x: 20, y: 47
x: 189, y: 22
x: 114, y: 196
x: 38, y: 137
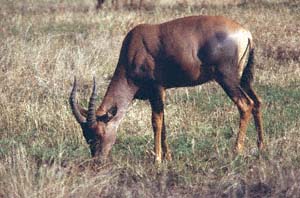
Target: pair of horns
x: 76, y: 109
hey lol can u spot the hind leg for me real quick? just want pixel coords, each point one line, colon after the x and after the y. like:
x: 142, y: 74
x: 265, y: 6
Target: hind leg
x: 257, y: 115
x: 244, y: 103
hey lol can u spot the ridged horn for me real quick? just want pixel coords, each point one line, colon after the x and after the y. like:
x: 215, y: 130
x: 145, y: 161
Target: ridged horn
x: 91, y: 114
x: 73, y: 103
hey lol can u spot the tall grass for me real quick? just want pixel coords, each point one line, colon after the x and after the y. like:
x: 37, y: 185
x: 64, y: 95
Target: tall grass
x: 43, y: 44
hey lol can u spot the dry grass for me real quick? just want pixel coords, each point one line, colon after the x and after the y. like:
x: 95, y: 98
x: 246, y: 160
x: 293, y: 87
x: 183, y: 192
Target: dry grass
x: 44, y: 43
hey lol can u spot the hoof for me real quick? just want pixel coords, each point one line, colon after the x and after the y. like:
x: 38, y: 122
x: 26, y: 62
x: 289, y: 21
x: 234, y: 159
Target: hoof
x: 260, y: 145
x: 157, y: 161
x: 238, y: 149
x: 168, y: 156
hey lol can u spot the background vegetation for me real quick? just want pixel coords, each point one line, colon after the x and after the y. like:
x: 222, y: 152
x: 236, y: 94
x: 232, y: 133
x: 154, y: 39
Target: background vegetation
x: 44, y: 43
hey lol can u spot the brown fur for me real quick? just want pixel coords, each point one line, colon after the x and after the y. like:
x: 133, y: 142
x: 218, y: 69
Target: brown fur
x: 184, y: 52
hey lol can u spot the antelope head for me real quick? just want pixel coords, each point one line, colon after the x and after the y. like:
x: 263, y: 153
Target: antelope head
x: 98, y: 132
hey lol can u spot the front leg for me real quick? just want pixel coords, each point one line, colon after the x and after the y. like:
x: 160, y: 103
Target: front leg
x: 157, y: 105
x: 165, y: 148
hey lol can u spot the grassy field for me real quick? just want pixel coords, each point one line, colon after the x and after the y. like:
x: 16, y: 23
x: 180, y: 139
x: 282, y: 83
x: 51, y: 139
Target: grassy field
x: 44, y: 43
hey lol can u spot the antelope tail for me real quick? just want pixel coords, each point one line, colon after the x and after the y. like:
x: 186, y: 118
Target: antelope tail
x: 248, y: 73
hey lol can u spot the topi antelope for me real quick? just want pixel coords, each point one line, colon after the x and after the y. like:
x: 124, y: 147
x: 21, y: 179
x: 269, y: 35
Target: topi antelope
x: 184, y: 52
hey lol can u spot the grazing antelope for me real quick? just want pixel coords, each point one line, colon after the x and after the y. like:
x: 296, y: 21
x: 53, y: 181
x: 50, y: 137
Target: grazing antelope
x: 184, y: 52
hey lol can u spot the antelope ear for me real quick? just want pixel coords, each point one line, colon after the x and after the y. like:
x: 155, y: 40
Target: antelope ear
x: 112, y: 112
x: 83, y: 112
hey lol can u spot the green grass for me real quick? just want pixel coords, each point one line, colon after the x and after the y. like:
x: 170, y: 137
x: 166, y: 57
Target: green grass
x: 43, y: 44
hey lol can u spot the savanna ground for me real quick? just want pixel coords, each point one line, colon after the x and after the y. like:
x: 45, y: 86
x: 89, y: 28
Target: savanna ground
x: 44, y: 43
